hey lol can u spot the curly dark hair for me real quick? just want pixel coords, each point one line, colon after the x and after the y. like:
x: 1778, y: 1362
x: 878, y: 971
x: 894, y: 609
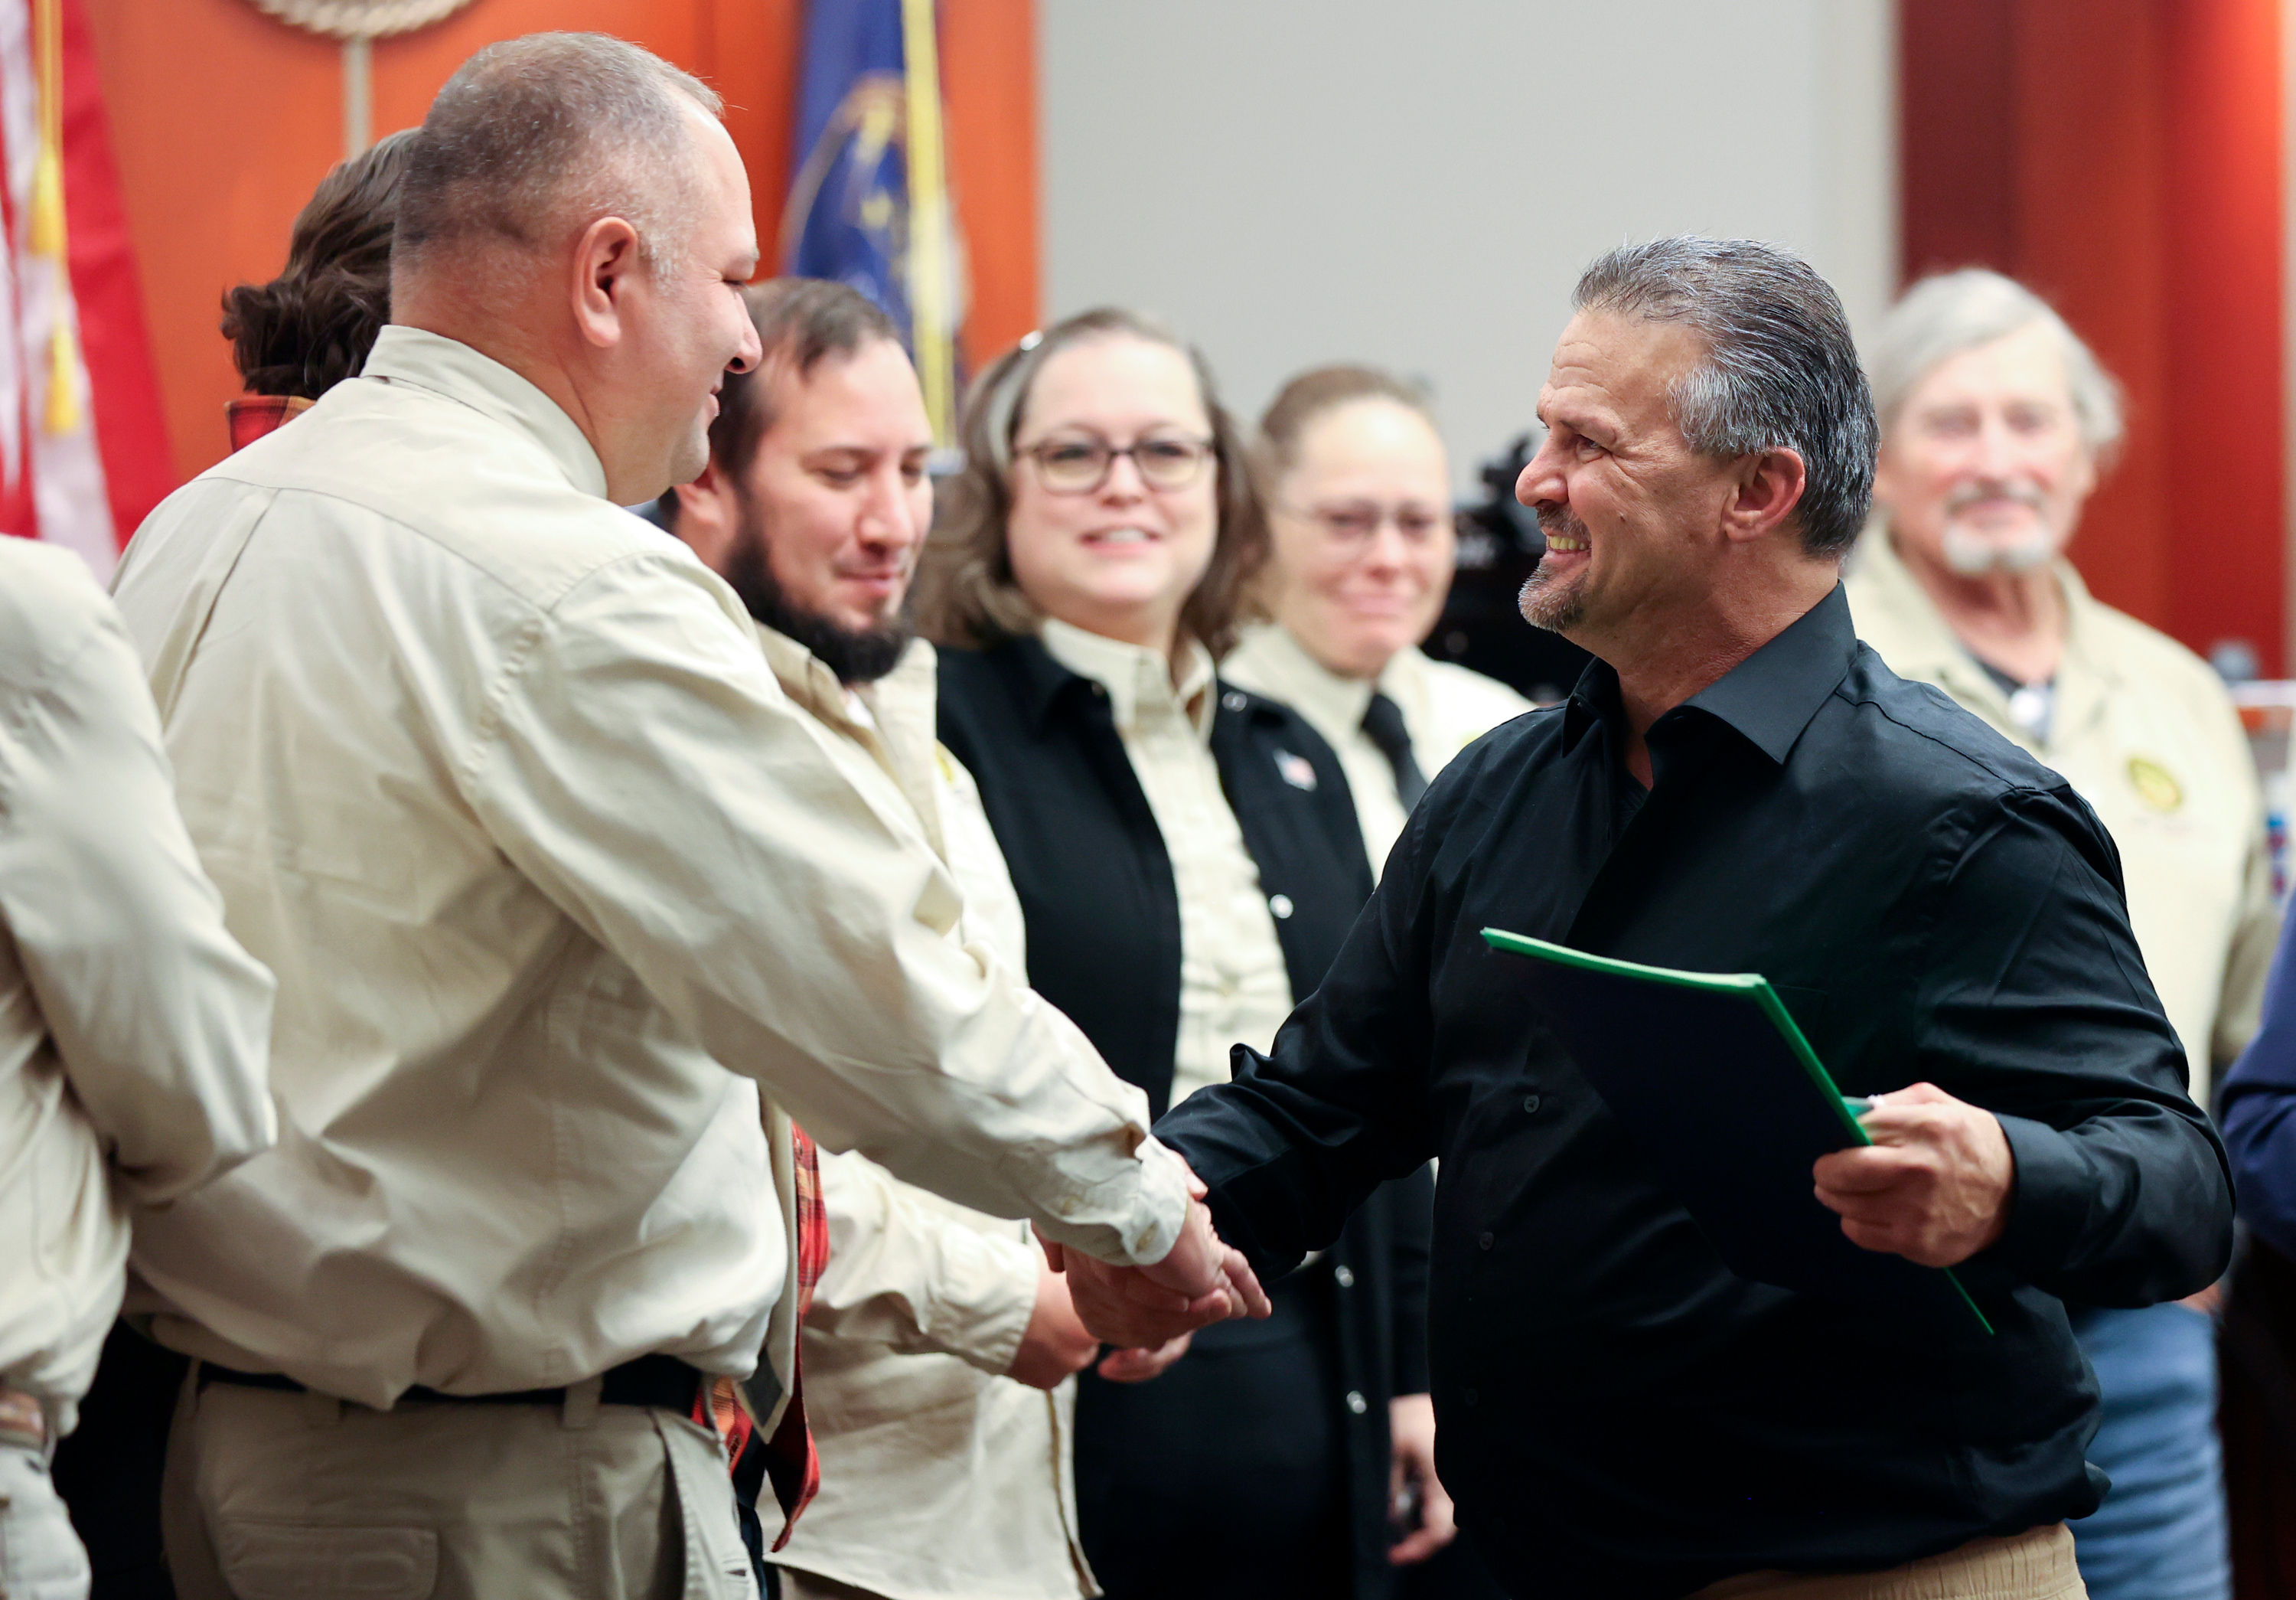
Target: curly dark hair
x: 311, y: 327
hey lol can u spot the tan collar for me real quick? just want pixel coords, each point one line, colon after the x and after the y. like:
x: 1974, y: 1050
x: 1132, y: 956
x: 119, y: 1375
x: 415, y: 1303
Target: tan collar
x: 1897, y: 616
x: 446, y: 366
x: 1137, y: 677
x: 891, y: 718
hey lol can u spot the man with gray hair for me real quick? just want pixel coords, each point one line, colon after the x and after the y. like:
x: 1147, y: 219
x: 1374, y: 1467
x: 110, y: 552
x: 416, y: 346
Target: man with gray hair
x: 567, y: 902
x: 1737, y: 786
x: 1996, y: 420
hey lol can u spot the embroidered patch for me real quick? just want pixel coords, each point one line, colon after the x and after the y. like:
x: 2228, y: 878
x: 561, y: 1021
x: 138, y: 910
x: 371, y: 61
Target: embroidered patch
x: 2155, y: 784
x: 1297, y: 770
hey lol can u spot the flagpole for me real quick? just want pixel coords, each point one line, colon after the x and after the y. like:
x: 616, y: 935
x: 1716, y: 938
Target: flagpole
x: 358, y: 94
x: 929, y: 222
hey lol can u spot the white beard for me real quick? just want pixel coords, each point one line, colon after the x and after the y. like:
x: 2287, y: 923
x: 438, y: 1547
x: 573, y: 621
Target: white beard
x: 1971, y: 554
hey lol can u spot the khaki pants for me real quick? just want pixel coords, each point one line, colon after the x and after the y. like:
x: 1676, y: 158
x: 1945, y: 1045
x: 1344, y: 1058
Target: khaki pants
x: 2034, y: 1565
x: 275, y: 1496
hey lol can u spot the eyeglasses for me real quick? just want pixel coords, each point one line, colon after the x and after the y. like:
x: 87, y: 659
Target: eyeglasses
x: 1359, y: 522
x: 1080, y: 465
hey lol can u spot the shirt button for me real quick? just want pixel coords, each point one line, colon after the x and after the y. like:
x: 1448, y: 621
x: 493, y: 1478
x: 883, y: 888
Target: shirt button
x: 1530, y: 1104
x: 1344, y: 1276
x: 1486, y: 1241
x: 1356, y: 1403
x: 1470, y: 1396
x: 1280, y: 904
x: 1232, y: 701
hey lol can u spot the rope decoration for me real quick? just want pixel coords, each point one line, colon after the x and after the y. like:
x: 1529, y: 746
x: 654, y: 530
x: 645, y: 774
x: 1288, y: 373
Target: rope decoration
x: 349, y: 19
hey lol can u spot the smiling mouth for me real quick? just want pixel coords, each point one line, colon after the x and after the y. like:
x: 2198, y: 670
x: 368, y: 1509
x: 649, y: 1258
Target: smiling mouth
x: 1564, y: 543
x: 1121, y: 536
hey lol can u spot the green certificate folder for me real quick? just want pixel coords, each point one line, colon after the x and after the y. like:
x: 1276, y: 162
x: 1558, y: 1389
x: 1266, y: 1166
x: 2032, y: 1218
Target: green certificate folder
x: 1710, y: 1076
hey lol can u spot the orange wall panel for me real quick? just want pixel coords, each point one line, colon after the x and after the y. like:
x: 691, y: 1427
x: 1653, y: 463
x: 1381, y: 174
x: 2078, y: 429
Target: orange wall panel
x: 2123, y: 158
x: 224, y: 120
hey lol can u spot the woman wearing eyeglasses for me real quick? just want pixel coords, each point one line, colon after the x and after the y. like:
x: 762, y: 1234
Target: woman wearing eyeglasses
x: 1358, y: 495
x: 1188, y: 860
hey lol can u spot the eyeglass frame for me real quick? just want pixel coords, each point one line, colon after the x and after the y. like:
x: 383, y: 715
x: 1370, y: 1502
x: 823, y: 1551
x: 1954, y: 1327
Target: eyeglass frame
x: 1389, y: 516
x: 1207, y: 449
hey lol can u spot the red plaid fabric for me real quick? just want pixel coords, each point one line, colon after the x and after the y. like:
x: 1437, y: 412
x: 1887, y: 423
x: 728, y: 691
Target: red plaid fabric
x: 791, y: 1462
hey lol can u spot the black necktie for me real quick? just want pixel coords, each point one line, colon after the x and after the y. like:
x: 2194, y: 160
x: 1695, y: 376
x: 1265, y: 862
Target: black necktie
x: 1383, y: 722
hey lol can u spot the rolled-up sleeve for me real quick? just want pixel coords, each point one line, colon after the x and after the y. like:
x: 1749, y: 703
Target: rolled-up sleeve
x: 2034, y: 1004
x: 163, y: 1022
x: 640, y: 764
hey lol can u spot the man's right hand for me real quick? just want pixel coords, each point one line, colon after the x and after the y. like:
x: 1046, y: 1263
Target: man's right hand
x: 1200, y: 1281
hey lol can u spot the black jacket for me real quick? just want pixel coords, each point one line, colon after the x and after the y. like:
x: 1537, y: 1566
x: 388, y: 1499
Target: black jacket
x: 1103, y: 919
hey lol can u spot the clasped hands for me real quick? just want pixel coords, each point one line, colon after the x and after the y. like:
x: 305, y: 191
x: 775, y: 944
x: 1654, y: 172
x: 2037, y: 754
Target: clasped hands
x: 1148, y: 1312
x: 1935, y: 1185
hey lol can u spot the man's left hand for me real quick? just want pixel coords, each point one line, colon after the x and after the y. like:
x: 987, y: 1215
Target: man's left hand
x: 1935, y: 1185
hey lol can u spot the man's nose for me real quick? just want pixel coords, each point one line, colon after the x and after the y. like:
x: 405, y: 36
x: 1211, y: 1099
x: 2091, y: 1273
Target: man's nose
x: 1540, y: 482
x: 750, y: 352
x: 889, y: 516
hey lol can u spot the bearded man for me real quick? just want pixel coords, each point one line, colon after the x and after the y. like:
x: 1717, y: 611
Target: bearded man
x: 939, y: 1345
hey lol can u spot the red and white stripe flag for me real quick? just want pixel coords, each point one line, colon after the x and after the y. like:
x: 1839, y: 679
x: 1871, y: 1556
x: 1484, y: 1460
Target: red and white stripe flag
x: 83, y: 441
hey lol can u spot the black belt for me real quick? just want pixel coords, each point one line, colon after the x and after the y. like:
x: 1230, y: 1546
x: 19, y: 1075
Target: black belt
x: 662, y: 1380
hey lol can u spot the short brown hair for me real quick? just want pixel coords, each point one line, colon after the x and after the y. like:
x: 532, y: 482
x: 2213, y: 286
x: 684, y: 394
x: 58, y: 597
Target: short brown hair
x: 966, y: 592
x: 312, y: 327
x: 1276, y: 450
x: 532, y: 131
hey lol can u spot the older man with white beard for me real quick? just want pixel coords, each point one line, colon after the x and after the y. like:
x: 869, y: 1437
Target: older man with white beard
x: 1997, y: 422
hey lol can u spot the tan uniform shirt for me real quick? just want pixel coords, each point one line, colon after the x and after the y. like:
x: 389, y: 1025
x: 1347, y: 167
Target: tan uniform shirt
x: 1444, y: 707
x: 1234, y: 986
x: 133, y: 1031
x: 2144, y: 731
x: 940, y: 1477
x: 494, y: 774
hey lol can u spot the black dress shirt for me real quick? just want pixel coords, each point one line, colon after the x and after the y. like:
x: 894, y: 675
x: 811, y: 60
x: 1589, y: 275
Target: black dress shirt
x: 1620, y: 1415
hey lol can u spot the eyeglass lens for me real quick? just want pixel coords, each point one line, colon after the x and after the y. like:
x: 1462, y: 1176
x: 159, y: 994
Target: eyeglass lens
x: 1080, y: 465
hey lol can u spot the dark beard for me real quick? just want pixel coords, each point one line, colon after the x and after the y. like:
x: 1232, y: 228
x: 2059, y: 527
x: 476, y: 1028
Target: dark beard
x: 1556, y: 615
x: 856, y: 658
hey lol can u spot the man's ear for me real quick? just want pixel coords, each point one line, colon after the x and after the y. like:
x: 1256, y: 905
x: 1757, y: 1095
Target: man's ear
x: 708, y: 516
x: 605, y: 259
x: 1769, y: 488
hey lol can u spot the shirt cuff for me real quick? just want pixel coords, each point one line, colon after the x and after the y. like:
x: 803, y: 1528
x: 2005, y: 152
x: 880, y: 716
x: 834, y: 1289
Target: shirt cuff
x: 982, y: 1319
x: 2049, y: 1198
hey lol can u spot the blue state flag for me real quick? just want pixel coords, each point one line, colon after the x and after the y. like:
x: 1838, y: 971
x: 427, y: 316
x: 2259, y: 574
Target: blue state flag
x: 869, y: 205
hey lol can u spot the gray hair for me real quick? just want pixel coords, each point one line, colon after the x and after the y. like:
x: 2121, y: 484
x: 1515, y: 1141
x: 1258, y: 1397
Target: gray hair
x: 534, y: 139
x: 1780, y: 371
x: 1942, y: 316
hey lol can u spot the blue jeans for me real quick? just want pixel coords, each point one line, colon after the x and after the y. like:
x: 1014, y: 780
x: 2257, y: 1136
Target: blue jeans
x: 2160, y: 1533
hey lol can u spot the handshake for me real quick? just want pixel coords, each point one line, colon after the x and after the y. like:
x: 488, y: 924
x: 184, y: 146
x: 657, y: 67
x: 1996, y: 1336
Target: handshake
x: 1148, y: 1312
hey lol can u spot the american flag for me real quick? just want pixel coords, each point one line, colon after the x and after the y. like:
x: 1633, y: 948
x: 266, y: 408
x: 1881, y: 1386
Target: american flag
x: 83, y: 443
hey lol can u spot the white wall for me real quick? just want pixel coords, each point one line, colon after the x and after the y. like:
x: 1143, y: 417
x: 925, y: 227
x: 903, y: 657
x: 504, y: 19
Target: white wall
x: 1417, y: 183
